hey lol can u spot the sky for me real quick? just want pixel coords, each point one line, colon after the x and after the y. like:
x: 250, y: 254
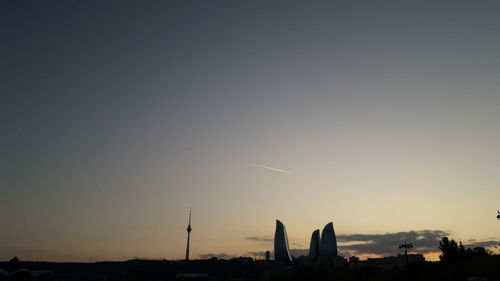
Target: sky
x: 116, y: 117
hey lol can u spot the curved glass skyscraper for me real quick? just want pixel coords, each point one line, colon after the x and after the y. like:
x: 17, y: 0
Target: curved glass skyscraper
x: 314, y: 246
x: 281, y: 250
x: 328, y: 243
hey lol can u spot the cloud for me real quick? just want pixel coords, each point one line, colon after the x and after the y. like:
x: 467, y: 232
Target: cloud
x: 424, y: 241
x: 485, y: 244
x: 222, y: 256
x: 387, y: 243
x: 268, y: 239
x: 271, y: 168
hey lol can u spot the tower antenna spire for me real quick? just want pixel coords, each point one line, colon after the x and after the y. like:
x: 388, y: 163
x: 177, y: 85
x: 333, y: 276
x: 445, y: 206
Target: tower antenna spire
x: 189, y: 235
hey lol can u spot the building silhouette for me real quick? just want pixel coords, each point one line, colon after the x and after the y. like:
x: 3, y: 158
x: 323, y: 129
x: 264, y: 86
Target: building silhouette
x: 314, y: 246
x: 322, y: 248
x: 328, y: 243
x: 281, y: 249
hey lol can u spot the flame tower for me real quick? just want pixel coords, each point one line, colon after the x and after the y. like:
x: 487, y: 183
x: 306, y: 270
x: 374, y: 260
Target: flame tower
x: 328, y: 242
x: 281, y: 250
x: 189, y: 235
x: 314, y: 247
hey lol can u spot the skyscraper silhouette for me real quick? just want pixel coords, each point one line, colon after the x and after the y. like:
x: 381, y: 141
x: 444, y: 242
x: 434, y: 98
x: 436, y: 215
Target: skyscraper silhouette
x: 189, y: 235
x: 281, y: 250
x: 328, y: 243
x: 314, y: 246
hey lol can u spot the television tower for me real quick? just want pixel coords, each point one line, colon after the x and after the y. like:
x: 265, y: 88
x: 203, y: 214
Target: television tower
x: 189, y: 235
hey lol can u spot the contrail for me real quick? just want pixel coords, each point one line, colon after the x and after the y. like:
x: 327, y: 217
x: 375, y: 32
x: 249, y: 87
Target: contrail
x: 271, y: 168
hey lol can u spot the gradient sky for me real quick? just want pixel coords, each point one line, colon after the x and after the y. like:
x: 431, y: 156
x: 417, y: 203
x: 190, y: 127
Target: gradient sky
x: 117, y: 116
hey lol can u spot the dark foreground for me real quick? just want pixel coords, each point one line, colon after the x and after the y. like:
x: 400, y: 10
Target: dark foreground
x: 480, y: 268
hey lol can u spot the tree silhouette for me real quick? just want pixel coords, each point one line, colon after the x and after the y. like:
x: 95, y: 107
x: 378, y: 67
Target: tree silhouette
x: 450, y: 250
x: 406, y: 246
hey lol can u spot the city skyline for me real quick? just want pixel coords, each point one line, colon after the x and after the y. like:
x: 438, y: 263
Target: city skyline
x: 117, y: 117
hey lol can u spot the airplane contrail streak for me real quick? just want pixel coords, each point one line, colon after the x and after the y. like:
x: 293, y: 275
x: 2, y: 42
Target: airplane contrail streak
x: 271, y: 168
